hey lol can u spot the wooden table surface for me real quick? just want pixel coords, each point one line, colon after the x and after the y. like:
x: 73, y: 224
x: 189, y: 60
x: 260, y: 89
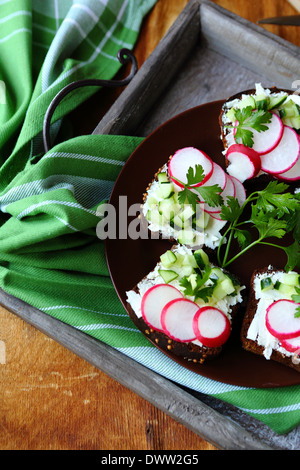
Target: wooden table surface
x: 50, y: 399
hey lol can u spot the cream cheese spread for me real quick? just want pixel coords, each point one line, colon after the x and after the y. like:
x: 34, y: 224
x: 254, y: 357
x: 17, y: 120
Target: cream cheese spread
x: 154, y: 278
x: 258, y: 331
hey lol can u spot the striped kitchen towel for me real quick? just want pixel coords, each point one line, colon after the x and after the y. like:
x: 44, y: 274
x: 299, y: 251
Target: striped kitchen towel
x: 50, y: 255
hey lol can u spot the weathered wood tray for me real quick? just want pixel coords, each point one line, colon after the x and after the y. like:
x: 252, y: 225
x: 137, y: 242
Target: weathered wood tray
x: 207, y: 55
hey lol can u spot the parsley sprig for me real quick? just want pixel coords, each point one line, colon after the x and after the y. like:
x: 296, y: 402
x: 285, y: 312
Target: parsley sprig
x: 188, y: 195
x: 247, y: 119
x: 274, y: 212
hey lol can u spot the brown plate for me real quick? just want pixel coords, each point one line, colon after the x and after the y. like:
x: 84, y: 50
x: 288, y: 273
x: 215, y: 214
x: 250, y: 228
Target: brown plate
x: 130, y: 260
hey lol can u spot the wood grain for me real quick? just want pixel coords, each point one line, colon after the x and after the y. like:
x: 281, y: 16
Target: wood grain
x: 52, y: 399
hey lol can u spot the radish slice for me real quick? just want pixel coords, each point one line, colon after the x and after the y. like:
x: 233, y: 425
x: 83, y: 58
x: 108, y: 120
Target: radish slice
x: 240, y: 192
x: 265, y: 141
x: 284, y: 156
x: 218, y: 177
x: 188, y: 157
x: 293, y: 174
x: 154, y: 300
x: 211, y: 326
x: 291, y: 345
x: 244, y: 162
x: 281, y: 321
x: 177, y: 320
x: 229, y: 190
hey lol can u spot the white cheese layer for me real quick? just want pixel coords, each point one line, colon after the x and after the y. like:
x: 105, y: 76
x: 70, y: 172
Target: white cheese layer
x: 210, y: 236
x: 258, y: 331
x: 154, y: 278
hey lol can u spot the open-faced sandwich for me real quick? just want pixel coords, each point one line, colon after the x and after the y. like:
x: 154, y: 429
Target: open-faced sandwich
x: 259, y: 130
x: 271, y: 326
x: 183, y: 201
x: 186, y: 304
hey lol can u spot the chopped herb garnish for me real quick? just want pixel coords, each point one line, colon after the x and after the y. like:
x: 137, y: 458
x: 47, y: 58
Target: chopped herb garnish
x: 247, y: 121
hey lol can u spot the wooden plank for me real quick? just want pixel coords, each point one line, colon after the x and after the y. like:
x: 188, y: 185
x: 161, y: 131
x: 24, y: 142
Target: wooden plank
x: 250, y: 45
x: 154, y: 75
x: 168, y: 397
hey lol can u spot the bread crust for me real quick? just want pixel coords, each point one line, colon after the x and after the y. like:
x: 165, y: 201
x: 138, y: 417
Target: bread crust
x: 189, y: 351
x: 264, y: 178
x: 250, y: 345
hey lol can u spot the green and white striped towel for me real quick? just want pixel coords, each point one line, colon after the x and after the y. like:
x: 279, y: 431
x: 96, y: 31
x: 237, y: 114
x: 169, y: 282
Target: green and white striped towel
x: 50, y: 255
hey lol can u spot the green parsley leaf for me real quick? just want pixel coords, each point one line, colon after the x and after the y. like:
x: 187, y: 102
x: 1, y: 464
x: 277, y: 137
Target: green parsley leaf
x: 195, y: 177
x: 293, y: 254
x: 247, y: 120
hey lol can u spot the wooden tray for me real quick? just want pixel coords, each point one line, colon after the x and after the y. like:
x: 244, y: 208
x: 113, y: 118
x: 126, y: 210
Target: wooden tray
x: 207, y: 55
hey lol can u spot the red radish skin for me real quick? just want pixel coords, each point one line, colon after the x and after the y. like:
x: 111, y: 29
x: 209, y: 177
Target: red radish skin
x: 177, y: 320
x: 218, y: 177
x: 284, y: 156
x: 281, y: 321
x: 244, y: 162
x: 266, y: 141
x: 293, y: 174
x: 292, y: 345
x: 212, y: 327
x: 240, y: 192
x: 153, y: 302
x: 185, y: 158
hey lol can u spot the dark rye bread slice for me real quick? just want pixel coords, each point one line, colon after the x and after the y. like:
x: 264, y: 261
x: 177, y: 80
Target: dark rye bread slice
x: 189, y: 352
x: 250, y: 345
x: 210, y: 252
x: 262, y: 179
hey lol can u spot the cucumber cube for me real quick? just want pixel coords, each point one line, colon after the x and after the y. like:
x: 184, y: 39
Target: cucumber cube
x: 231, y: 115
x: 167, y: 275
x: 276, y: 101
x: 186, y: 237
x: 246, y: 102
x: 187, y: 213
x: 166, y: 190
x: 266, y: 284
x: 189, y: 260
x: 223, y: 289
x: 163, y: 178
x: 262, y: 102
x: 201, y: 258
x: 168, y: 208
x: 291, y: 279
x: 168, y: 259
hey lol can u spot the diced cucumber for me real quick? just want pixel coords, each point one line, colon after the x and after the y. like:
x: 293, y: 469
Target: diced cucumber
x: 186, y: 213
x: 291, y: 279
x: 163, y: 178
x: 201, y: 258
x: 178, y: 222
x: 154, y: 217
x: 186, y: 237
x: 286, y: 289
x: 289, y: 110
x: 168, y: 208
x: 179, y: 259
x: 217, y: 273
x: 295, y: 122
x: 202, y: 221
x: 262, y: 102
x: 168, y: 259
x: 152, y: 201
x: 189, y: 260
x: 276, y: 101
x: 223, y: 289
x: 166, y: 190
x: 187, y: 270
x: 231, y: 115
x: 266, y: 284
x: 168, y: 275
x: 248, y: 101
